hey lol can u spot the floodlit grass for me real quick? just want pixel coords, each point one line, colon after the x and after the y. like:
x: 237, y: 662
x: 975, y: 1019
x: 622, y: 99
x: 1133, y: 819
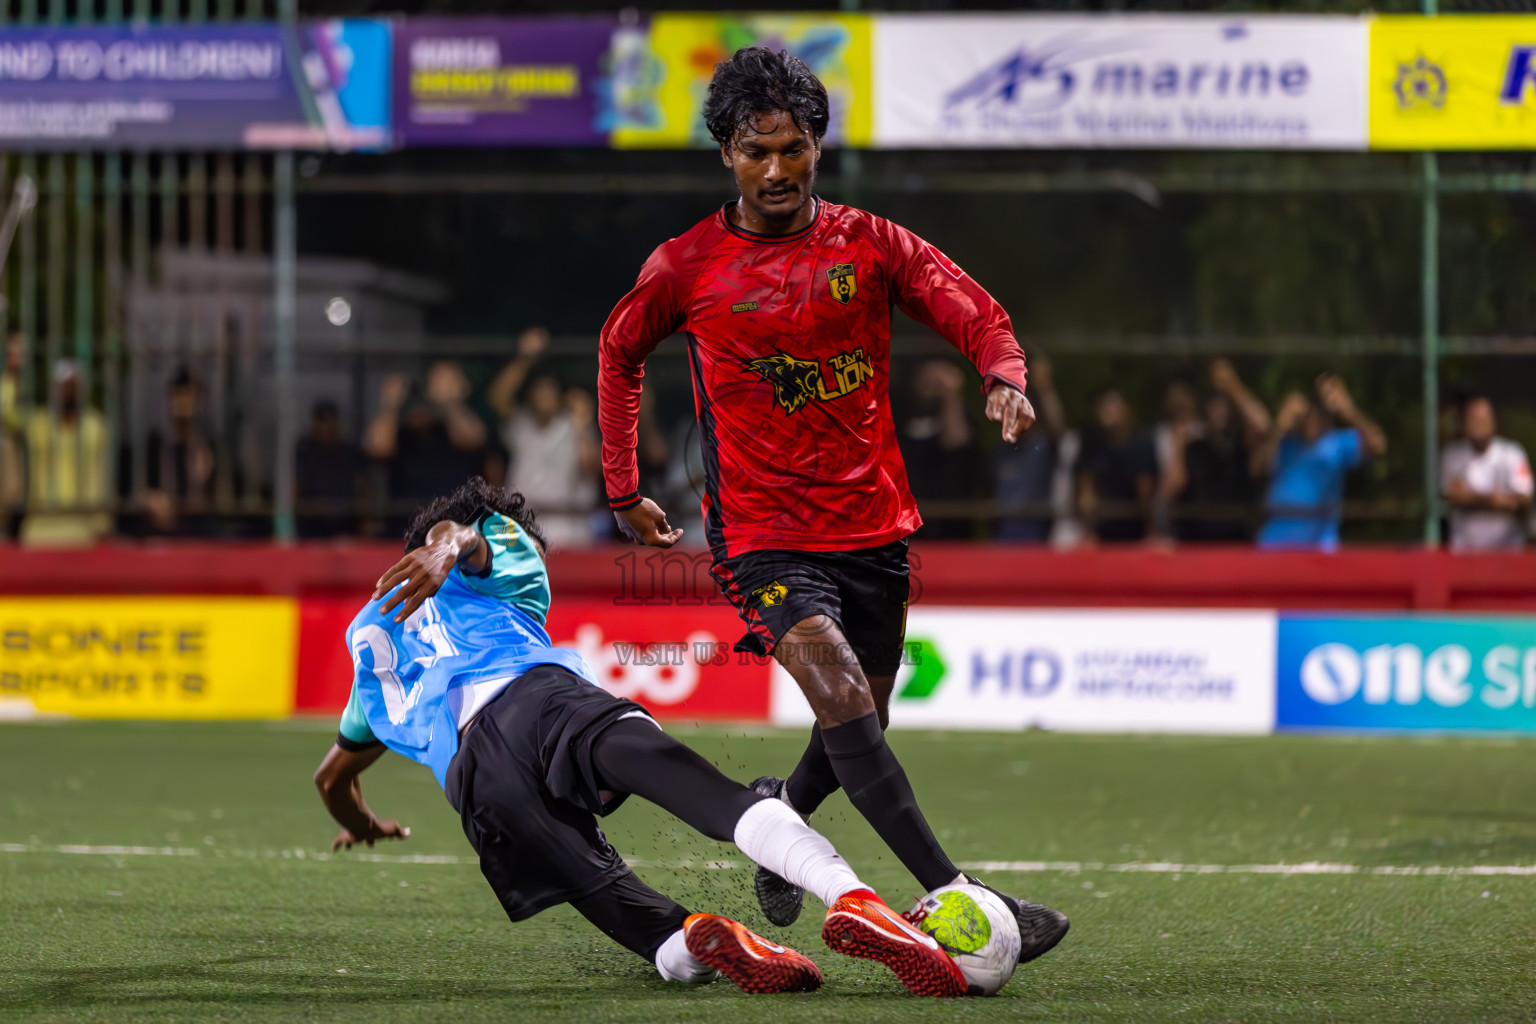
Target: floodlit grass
x: 253, y: 926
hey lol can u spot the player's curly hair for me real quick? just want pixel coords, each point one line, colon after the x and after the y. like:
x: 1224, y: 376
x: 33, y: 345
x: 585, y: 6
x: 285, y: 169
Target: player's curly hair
x: 465, y: 505
x: 757, y: 80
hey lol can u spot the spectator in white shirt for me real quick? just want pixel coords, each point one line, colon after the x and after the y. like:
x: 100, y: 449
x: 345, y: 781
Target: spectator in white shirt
x: 551, y: 441
x: 1486, y: 480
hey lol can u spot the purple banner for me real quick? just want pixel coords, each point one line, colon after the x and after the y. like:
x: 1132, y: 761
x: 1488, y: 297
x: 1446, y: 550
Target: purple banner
x: 501, y: 81
x: 215, y: 86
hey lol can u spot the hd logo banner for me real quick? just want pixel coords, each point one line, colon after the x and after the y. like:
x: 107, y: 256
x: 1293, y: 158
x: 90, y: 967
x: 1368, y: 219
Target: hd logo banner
x: 1193, y: 671
x: 146, y: 657
x: 1453, y: 82
x: 1427, y: 672
x: 1187, y: 81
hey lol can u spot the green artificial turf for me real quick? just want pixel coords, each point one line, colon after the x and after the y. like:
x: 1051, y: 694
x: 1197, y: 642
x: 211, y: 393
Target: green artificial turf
x: 253, y: 926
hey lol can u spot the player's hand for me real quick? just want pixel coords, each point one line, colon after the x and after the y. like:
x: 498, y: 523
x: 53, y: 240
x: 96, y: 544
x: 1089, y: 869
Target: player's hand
x: 420, y: 574
x: 390, y: 829
x: 646, y: 523
x: 1009, y: 407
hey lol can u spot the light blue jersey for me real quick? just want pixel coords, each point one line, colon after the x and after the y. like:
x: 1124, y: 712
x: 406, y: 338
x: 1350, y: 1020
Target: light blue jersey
x: 416, y: 683
x: 1307, y: 490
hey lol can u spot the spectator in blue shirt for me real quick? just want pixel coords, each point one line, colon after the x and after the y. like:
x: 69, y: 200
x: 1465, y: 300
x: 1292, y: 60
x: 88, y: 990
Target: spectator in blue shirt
x: 1312, y: 446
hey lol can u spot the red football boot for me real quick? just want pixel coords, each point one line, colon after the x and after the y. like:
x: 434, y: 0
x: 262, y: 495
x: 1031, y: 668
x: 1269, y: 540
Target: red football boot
x: 861, y: 925
x: 748, y: 959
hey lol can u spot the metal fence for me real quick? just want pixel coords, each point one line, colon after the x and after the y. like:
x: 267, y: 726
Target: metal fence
x: 137, y: 281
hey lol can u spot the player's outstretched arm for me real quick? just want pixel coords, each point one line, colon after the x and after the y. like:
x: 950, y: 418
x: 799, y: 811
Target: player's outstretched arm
x: 646, y: 523
x: 421, y: 573
x: 342, y: 792
x: 935, y: 292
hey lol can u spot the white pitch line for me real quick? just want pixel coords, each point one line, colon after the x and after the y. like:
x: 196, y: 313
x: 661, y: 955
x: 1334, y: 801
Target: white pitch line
x: 1312, y: 867
x: 103, y: 851
x: 1067, y: 867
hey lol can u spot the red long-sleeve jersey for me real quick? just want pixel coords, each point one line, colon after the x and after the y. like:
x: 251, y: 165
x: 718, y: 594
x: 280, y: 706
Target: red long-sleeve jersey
x: 789, y: 348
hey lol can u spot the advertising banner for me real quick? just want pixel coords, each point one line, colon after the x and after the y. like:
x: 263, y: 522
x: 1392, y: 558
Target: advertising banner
x: 661, y: 77
x: 1463, y: 81
x: 148, y: 657
x: 1199, y: 81
x: 503, y: 81
x: 1426, y: 672
x: 216, y: 86
x: 675, y: 660
x: 1197, y: 671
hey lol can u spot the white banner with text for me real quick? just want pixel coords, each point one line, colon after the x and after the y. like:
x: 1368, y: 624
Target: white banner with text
x: 1195, y: 671
x: 1186, y: 81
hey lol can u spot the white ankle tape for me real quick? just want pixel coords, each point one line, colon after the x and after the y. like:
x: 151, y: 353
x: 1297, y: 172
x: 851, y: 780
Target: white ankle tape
x: 774, y: 836
x: 675, y: 963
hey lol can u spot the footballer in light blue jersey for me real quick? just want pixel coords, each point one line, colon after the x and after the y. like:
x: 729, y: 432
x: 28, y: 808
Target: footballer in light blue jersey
x: 452, y: 668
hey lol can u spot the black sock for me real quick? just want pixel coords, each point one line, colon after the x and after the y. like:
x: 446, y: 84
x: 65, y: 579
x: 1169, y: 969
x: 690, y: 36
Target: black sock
x: 813, y: 779
x: 878, y: 787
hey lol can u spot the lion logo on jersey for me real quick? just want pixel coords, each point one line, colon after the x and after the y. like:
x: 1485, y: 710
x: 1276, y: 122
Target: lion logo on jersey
x: 795, y: 381
x: 843, y: 283
x: 771, y: 595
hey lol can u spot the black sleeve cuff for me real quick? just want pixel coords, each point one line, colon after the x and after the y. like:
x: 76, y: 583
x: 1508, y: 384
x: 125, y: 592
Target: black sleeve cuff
x: 991, y: 380
x: 352, y: 746
x: 626, y: 501
x: 490, y: 556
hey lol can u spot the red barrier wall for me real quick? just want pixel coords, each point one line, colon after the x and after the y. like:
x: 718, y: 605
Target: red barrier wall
x: 944, y: 574
x: 636, y: 595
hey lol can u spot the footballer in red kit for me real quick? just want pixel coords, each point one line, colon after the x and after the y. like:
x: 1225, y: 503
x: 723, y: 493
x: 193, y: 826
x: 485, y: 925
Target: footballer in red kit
x: 789, y: 344
x: 785, y: 300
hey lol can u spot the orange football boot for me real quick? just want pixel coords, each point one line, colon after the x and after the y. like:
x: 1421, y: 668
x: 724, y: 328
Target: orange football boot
x: 860, y: 924
x: 748, y: 959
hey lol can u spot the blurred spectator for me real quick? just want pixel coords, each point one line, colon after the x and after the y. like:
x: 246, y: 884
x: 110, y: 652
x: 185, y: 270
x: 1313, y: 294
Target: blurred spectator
x: 939, y: 447
x: 328, y: 471
x: 1179, y: 425
x: 1486, y: 479
x: 1116, y: 473
x: 1307, y: 455
x: 1181, y: 417
x: 12, y: 480
x: 1025, y: 473
x: 67, y: 468
x: 551, y: 442
x: 1208, y: 477
x: 178, y: 497
x: 429, y: 443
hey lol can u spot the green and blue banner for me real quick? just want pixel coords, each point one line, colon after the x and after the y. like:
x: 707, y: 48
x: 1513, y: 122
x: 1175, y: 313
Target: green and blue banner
x: 1425, y: 672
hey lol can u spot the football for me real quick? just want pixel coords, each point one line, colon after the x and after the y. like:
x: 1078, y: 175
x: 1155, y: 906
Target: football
x: 976, y: 929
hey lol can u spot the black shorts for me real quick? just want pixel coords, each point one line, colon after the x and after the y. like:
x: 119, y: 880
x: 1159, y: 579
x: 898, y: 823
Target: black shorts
x: 526, y: 790
x: 864, y: 592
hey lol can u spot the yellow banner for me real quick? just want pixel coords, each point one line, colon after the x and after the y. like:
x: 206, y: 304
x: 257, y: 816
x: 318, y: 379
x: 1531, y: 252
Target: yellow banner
x: 662, y: 95
x: 147, y: 657
x: 1453, y: 82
